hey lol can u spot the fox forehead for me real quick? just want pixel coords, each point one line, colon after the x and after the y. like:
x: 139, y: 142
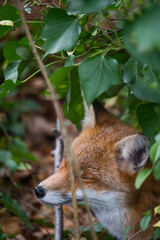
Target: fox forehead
x: 103, y: 135
x: 98, y: 144
x: 92, y: 147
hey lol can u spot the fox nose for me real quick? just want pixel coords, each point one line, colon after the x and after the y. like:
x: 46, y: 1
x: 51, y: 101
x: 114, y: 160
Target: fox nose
x: 40, y: 192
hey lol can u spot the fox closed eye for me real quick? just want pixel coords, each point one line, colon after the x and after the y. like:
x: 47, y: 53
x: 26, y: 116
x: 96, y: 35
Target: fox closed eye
x: 88, y: 178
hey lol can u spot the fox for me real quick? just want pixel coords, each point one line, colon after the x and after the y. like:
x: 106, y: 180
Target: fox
x: 109, y: 154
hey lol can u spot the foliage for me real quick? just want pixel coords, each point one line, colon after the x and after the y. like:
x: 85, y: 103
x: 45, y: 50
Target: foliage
x: 145, y: 220
x: 13, y: 206
x: 95, y: 49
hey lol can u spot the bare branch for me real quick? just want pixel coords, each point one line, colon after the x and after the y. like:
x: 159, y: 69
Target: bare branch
x: 57, y: 153
x: 139, y: 232
x: 57, y: 108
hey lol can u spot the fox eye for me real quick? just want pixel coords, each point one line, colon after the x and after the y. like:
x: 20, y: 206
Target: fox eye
x: 87, y: 178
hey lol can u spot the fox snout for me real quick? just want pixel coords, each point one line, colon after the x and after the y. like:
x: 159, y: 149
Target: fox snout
x: 55, y: 189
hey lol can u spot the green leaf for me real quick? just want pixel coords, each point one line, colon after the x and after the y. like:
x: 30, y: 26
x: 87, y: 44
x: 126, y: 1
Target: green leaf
x: 2, y: 235
x: 23, y: 166
x: 126, y: 230
x: 7, y: 87
x: 97, y: 227
x: 8, y: 12
x: 19, y: 156
x: 113, y: 90
x: 133, y: 102
x: 157, y: 210
x: 20, y: 151
x: 156, y: 234
x: 16, y: 52
x: 141, y: 36
x: 149, y: 118
x: 13, y: 206
x: 156, y: 171
x: 61, y: 31
x: 43, y: 222
x: 9, y: 52
x: 6, y: 159
x: 73, y: 108
x: 83, y: 6
x: 97, y: 75
x: 142, y: 176
x: 145, y: 222
x: 24, y: 52
x: 11, y: 71
x: 130, y: 71
x: 155, y: 152
x: 157, y: 138
x: 147, y: 87
x: 60, y: 80
x: 20, y: 145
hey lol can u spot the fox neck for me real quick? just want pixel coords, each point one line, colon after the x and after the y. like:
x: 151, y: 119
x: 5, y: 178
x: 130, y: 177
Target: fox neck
x: 109, y: 209
x: 112, y: 220
x: 116, y: 215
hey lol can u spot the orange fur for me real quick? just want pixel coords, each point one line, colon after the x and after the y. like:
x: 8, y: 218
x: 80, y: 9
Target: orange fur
x: 96, y: 153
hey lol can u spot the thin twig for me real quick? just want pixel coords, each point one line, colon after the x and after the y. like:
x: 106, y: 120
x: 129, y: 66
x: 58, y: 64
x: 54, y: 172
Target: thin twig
x: 85, y: 226
x: 45, y: 4
x: 140, y: 231
x: 93, y: 234
x: 57, y: 108
x: 102, y: 29
x: 37, y: 11
x: 29, y: 18
x: 102, y: 234
x: 36, y: 210
x: 33, y: 74
x: 5, y: 132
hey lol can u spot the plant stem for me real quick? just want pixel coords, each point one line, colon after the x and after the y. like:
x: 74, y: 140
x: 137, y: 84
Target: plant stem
x: 35, y: 22
x: 140, y: 231
x: 57, y: 108
x: 33, y: 74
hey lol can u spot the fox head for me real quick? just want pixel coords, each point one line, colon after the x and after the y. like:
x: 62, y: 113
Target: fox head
x: 109, y: 155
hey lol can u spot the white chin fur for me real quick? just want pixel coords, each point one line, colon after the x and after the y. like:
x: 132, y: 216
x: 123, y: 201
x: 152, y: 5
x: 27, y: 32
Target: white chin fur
x: 107, y: 206
x: 53, y: 198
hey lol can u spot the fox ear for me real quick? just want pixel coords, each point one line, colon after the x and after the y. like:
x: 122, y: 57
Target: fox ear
x: 132, y: 153
x: 92, y: 114
x: 89, y: 117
